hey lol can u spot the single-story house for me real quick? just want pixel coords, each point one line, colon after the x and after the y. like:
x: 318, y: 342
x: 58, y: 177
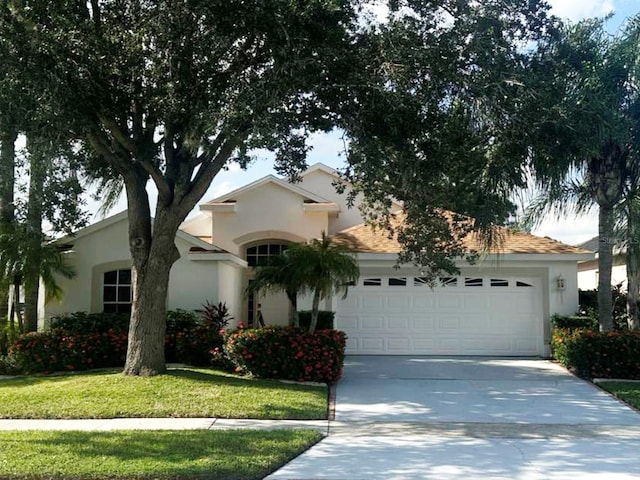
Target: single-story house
x: 588, y: 269
x: 499, y: 306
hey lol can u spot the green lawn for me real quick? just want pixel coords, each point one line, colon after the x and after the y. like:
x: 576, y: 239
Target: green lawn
x: 626, y: 391
x: 179, y: 393
x: 196, y: 454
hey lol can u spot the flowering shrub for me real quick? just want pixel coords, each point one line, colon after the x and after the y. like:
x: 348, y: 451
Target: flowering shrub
x: 56, y: 350
x: 287, y: 353
x: 593, y: 354
x: 81, y: 341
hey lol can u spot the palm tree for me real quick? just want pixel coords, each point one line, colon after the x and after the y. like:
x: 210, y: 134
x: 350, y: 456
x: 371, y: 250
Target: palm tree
x: 320, y: 266
x: 281, y: 273
x: 327, y: 268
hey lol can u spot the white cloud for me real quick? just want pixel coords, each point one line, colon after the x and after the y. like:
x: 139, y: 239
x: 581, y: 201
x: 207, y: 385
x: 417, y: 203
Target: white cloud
x: 576, y: 10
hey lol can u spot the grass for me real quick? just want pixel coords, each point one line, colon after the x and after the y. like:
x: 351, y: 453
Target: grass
x: 175, y: 455
x: 628, y: 392
x: 179, y: 393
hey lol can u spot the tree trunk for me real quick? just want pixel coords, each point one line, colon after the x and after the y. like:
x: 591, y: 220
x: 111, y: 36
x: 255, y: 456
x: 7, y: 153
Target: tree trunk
x: 8, y: 137
x: 315, y: 308
x: 605, y: 263
x: 31, y: 275
x: 294, y: 321
x: 153, y: 256
x: 633, y: 259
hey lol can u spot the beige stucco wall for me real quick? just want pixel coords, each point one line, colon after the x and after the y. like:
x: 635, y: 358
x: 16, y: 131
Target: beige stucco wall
x: 588, y: 274
x: 266, y: 212
x: 321, y: 183
x: 191, y: 282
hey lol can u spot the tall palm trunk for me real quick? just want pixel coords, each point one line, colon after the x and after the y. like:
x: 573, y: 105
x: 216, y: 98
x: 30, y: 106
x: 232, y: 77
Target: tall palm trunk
x: 605, y: 264
x: 34, y: 238
x: 633, y: 263
x: 8, y: 137
x: 315, y: 308
x: 294, y: 320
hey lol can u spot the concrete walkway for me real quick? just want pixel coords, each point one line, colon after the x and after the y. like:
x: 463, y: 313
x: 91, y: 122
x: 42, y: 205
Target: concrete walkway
x: 464, y: 418
x: 162, y: 424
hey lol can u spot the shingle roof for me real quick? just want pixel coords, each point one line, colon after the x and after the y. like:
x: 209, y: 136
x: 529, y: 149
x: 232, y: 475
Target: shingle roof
x: 365, y: 239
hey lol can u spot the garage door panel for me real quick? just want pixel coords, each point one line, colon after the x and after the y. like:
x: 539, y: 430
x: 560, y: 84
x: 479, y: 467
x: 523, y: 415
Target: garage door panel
x: 372, y: 323
x: 448, y: 301
x: 372, y: 302
x: 421, y: 324
x: 398, y: 323
x: 397, y: 303
x: 422, y: 301
x: 497, y: 318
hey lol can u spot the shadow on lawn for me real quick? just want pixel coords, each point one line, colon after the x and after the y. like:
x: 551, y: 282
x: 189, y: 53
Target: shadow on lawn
x: 167, y: 454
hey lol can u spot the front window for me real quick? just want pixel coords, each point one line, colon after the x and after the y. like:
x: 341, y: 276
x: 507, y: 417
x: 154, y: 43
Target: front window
x: 117, y: 291
x: 258, y: 254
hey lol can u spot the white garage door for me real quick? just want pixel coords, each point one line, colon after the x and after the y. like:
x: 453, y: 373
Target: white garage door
x: 460, y: 316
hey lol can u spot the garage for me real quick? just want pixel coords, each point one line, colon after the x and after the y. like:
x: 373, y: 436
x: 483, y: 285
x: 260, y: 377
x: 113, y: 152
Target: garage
x: 462, y: 315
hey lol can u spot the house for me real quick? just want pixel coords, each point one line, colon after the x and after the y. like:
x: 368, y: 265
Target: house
x: 499, y: 306
x: 588, y: 269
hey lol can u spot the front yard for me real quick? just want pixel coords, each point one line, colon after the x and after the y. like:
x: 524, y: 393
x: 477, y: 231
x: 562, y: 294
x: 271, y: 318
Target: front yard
x: 628, y: 392
x: 183, y: 392
x: 183, y: 454
x: 163, y: 455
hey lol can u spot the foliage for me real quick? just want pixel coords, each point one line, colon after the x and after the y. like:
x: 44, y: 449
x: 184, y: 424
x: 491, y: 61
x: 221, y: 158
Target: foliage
x: 216, y: 316
x: 584, y: 132
x: 80, y: 323
x: 287, y: 353
x: 56, y: 351
x: 162, y: 455
x: 173, y: 92
x: 588, y: 301
x: 433, y: 125
x: 190, y: 337
x: 325, y: 319
x: 81, y: 341
x: 593, y: 354
x: 571, y: 322
x: 183, y: 393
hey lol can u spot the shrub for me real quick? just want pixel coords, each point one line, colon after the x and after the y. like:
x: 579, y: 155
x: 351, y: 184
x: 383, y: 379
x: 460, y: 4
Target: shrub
x: 593, y: 354
x: 588, y: 300
x: 56, y: 350
x: 325, y: 319
x: 287, y: 353
x: 192, y: 335
x: 574, y: 321
x: 81, y: 323
x: 216, y: 316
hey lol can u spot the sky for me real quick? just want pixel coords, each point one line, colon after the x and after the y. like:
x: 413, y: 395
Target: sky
x: 328, y: 148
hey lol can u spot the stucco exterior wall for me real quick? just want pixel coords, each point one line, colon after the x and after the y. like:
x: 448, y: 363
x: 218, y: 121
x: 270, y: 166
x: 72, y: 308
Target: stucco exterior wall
x: 588, y: 274
x: 321, y: 183
x: 191, y: 283
x: 268, y: 211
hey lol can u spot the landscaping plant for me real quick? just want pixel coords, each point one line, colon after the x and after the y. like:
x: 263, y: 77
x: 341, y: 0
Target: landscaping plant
x: 287, y: 353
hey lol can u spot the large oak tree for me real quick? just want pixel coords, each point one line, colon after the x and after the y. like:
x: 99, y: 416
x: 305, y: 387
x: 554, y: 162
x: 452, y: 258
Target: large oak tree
x: 170, y: 92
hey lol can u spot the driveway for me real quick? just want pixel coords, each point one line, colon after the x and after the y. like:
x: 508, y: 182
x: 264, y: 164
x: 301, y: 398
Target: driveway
x: 453, y: 418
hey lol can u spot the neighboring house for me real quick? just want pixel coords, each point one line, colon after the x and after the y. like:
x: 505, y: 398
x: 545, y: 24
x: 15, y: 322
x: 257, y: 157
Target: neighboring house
x: 500, y: 306
x: 588, y: 269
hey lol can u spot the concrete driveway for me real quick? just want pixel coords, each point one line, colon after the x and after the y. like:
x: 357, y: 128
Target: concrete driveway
x: 430, y: 417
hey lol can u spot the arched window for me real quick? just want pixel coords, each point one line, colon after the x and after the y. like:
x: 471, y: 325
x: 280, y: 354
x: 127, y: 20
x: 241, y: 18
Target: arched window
x: 117, y: 291
x: 258, y: 254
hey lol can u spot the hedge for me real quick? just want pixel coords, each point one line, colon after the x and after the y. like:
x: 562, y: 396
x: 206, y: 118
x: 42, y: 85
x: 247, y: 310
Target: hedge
x: 287, y: 353
x: 81, y: 341
x: 593, y: 354
x: 325, y: 319
x: 574, y: 321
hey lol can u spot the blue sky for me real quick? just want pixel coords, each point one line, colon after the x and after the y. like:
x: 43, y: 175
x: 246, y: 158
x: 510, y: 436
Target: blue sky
x: 327, y: 148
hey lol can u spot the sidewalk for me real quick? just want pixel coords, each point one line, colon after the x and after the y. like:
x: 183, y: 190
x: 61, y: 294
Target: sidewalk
x: 163, y: 424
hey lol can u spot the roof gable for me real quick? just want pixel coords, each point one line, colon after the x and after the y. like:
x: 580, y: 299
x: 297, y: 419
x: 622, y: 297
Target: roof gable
x: 94, y: 228
x: 269, y: 179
